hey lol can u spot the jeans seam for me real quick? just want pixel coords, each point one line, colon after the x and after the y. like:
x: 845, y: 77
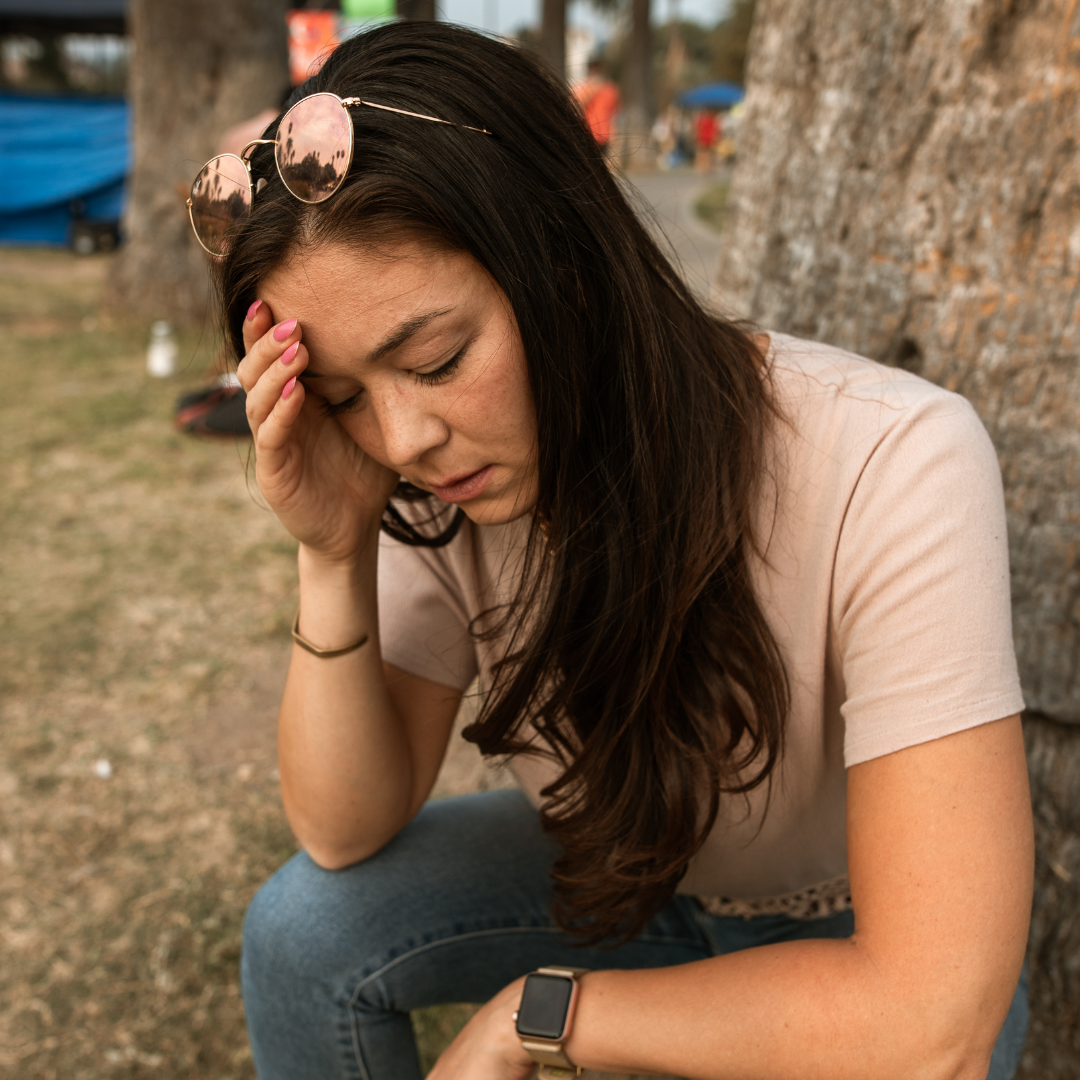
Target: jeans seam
x: 472, y: 934
x: 379, y: 972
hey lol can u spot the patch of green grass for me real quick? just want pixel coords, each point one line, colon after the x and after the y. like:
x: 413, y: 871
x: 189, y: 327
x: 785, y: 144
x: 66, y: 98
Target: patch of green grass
x: 711, y: 205
x: 436, y: 1028
x: 115, y: 409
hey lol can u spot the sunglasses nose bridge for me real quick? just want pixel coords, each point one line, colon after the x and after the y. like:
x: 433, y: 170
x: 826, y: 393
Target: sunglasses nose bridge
x: 245, y: 154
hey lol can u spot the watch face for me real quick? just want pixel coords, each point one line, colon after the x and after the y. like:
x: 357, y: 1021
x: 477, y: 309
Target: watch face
x: 544, y: 1002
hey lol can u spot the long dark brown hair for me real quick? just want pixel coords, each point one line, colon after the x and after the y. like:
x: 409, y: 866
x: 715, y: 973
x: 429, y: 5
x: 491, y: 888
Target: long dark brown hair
x: 636, y: 647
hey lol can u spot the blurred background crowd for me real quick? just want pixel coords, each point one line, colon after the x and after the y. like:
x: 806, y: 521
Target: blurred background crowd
x: 67, y: 66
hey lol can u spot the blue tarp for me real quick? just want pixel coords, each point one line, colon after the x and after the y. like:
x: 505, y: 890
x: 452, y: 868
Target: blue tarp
x: 714, y: 95
x: 59, y: 156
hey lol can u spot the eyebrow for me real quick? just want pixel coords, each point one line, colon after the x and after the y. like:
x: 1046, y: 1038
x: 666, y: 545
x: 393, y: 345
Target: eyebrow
x: 394, y: 340
x: 406, y: 330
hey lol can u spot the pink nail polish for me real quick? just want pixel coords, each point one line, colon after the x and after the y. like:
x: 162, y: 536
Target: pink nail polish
x: 283, y: 330
x: 289, y: 355
x: 253, y: 310
x: 288, y: 387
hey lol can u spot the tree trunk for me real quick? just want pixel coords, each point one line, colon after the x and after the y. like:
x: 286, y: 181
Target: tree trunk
x: 553, y: 33
x: 416, y: 10
x: 1053, y: 1046
x: 199, y: 68
x: 906, y: 188
x: 637, y: 88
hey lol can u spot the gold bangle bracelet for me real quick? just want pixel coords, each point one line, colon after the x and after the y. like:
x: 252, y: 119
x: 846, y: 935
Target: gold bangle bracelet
x: 323, y: 654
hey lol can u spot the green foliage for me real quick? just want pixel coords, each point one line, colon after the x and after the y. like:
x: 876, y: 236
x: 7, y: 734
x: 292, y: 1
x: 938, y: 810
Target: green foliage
x: 707, y: 54
x: 729, y: 43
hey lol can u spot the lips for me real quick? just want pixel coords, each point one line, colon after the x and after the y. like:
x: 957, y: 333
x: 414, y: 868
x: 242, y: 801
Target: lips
x: 463, y: 488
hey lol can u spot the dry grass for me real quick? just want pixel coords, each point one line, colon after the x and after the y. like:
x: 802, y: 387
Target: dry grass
x: 146, y: 598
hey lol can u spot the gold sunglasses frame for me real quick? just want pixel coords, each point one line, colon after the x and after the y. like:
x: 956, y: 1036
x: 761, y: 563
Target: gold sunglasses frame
x: 254, y: 188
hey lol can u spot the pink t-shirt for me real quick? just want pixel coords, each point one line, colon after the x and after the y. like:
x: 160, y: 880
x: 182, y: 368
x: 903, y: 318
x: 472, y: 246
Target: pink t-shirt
x: 885, y: 583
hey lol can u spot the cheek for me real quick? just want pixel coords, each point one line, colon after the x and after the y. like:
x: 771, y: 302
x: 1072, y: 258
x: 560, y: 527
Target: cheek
x: 500, y: 408
x: 365, y: 432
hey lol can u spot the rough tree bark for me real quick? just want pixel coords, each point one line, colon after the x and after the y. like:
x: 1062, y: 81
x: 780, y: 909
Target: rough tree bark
x: 199, y: 67
x: 908, y: 188
x: 553, y: 33
x: 637, y: 88
x: 416, y: 10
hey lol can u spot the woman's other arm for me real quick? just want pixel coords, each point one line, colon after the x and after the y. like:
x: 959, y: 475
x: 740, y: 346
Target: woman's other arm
x: 940, y: 851
x: 359, y: 742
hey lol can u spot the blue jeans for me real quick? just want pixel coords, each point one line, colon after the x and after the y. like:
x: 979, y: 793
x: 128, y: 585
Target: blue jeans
x: 451, y: 910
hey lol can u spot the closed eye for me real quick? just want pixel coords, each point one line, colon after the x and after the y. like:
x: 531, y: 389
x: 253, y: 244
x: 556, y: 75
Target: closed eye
x: 425, y: 378
x: 336, y: 408
x: 440, y: 374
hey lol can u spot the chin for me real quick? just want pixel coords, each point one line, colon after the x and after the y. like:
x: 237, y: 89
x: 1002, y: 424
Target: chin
x: 498, y: 511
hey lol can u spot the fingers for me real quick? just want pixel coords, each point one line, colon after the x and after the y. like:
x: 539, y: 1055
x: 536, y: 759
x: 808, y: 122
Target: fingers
x: 276, y: 429
x: 259, y: 319
x: 287, y: 359
x: 265, y: 343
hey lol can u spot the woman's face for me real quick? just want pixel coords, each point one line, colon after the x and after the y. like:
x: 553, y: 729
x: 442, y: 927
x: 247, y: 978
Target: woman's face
x: 418, y: 355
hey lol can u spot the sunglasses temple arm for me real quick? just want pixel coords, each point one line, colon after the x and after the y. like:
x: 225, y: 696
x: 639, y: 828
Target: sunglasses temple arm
x: 419, y: 116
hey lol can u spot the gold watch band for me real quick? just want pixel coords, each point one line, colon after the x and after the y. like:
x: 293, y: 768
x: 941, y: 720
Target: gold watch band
x: 548, y: 1053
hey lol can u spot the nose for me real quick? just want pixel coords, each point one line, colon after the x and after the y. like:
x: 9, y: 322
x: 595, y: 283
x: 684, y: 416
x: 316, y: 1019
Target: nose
x: 406, y: 428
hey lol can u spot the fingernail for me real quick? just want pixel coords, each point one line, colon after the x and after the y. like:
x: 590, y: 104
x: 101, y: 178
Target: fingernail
x: 283, y: 330
x: 289, y: 355
x: 288, y: 388
x: 253, y: 309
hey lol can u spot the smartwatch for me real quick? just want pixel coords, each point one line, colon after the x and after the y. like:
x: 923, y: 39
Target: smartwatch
x: 545, y: 1016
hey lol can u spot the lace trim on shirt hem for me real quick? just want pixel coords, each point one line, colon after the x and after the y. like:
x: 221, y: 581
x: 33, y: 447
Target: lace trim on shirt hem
x: 814, y: 902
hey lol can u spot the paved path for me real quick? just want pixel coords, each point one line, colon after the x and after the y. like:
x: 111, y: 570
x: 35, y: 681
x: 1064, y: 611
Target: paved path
x: 671, y: 195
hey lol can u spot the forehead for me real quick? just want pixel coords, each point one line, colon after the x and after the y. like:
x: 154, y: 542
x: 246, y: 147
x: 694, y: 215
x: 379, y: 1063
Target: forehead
x: 347, y: 299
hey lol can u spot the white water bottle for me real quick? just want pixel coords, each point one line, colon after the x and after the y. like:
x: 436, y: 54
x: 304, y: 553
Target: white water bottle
x: 161, y: 356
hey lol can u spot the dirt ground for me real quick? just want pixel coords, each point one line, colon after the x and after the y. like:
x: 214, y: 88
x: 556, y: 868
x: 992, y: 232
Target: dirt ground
x: 146, y: 597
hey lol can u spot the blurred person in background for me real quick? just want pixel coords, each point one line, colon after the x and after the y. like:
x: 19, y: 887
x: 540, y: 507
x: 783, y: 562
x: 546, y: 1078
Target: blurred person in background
x: 599, y: 99
x: 739, y: 605
x: 707, y: 130
x: 664, y: 136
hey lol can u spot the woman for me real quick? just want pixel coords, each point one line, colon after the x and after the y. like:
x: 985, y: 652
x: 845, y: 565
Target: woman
x: 739, y: 605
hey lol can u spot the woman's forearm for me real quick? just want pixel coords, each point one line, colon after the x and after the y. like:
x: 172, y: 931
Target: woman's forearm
x: 345, y: 760
x: 809, y: 1010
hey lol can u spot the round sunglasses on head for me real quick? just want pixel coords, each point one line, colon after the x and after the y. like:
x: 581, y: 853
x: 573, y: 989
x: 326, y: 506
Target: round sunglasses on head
x: 313, y: 152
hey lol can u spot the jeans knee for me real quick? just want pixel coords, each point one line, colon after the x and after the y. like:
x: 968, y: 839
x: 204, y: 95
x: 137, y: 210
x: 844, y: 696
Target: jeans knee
x: 289, y: 930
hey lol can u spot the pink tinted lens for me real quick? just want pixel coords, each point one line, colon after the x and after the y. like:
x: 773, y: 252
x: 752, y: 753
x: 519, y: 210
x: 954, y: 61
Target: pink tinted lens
x: 314, y: 147
x: 220, y: 198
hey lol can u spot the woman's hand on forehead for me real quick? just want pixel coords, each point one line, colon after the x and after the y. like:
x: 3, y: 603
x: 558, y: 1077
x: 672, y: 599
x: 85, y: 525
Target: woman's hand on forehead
x: 325, y: 490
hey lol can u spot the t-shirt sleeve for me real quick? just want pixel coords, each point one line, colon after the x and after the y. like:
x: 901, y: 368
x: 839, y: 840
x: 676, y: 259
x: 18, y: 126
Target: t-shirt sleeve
x: 423, y: 616
x: 921, y: 605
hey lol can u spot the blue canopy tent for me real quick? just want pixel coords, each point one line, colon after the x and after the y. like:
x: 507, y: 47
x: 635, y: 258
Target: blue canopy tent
x: 714, y: 95
x: 61, y: 159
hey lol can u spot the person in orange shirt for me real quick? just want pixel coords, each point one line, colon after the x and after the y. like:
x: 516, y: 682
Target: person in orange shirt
x: 707, y: 132
x: 599, y: 99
